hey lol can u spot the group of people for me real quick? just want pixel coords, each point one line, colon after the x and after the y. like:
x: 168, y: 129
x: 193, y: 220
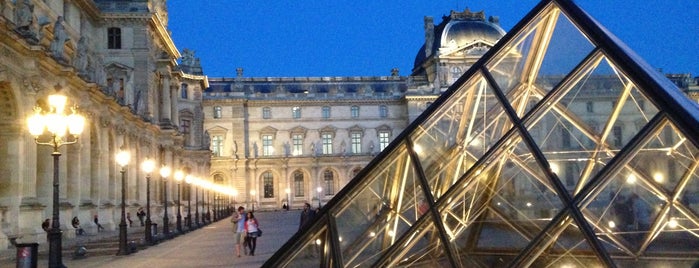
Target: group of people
x: 630, y: 213
x: 247, y: 229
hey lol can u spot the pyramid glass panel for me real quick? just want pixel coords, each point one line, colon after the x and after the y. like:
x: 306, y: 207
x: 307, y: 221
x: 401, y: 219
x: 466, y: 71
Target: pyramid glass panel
x: 312, y: 251
x: 552, y: 152
x: 472, y: 119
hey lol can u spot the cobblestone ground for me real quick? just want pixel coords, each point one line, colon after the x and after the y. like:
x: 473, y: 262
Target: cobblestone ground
x: 210, y: 246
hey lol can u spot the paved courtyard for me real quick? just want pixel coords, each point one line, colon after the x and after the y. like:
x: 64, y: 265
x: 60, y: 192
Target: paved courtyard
x: 210, y: 246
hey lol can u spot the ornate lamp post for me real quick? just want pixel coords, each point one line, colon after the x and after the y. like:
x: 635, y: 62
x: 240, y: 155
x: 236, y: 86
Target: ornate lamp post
x: 252, y: 196
x: 123, y: 158
x: 288, y: 198
x: 164, y: 173
x: 179, y: 175
x: 188, y: 180
x: 319, y: 189
x: 58, y: 125
x: 196, y: 201
x: 148, y: 166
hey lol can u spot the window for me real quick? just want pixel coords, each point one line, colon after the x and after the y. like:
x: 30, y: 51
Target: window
x: 326, y: 112
x: 217, y: 111
x: 183, y: 91
x: 329, y: 179
x: 217, y: 145
x: 296, y: 112
x: 266, y: 113
x: 268, y: 184
x: 356, y: 139
x: 590, y: 107
x: 355, y: 111
x: 185, y: 125
x: 298, y: 184
x: 383, y: 111
x: 455, y: 73
x: 297, y: 146
x: 267, y: 145
x: 327, y: 143
x: 113, y: 38
x: 384, y: 139
x: 617, y: 136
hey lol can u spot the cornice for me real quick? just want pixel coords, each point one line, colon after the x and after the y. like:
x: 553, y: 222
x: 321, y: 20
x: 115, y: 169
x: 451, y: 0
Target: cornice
x: 88, y: 7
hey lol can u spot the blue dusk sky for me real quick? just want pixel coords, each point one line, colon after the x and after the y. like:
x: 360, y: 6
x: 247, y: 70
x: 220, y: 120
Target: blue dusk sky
x: 369, y: 37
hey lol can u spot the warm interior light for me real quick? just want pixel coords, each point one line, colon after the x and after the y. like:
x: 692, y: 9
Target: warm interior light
x: 57, y: 102
x: 631, y: 179
x: 123, y: 158
x: 672, y: 223
x: 611, y: 224
x: 317, y: 241
x: 554, y: 168
x: 417, y: 148
x: 148, y: 166
x: 658, y: 177
x: 179, y: 175
x: 165, y: 171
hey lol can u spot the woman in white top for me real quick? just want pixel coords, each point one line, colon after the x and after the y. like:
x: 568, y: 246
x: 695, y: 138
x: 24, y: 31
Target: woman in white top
x: 251, y: 227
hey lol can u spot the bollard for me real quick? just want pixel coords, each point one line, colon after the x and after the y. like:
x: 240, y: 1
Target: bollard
x: 27, y: 255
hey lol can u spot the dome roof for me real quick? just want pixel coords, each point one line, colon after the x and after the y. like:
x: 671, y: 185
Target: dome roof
x: 459, y: 30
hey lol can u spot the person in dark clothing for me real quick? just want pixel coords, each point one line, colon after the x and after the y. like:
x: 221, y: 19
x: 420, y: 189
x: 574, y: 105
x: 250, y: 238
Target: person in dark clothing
x: 76, y: 225
x: 306, y: 215
x: 97, y: 222
x: 46, y: 225
x: 141, y: 214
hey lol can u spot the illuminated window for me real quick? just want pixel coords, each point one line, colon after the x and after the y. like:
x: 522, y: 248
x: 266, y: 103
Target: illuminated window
x: 384, y: 139
x: 329, y: 178
x: 297, y: 146
x: 217, y: 111
x: 356, y: 139
x: 113, y: 38
x: 267, y: 145
x: 298, y: 184
x: 327, y: 143
x: 296, y: 112
x: 268, y: 184
x: 217, y: 145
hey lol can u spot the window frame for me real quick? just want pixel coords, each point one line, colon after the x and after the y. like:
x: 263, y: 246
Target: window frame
x: 114, y: 38
x: 218, y: 112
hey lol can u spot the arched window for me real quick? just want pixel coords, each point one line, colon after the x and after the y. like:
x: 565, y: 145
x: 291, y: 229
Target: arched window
x: 268, y: 184
x: 298, y: 184
x: 329, y: 178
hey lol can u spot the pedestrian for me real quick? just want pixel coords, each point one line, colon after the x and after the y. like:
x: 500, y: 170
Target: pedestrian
x: 46, y: 225
x: 141, y: 214
x: 252, y: 228
x: 128, y: 218
x: 238, y: 221
x: 97, y: 222
x: 306, y: 215
x: 76, y: 225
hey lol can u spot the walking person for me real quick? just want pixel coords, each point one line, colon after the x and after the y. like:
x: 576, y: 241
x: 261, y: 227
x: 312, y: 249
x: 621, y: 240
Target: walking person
x: 306, y: 215
x: 252, y: 227
x: 97, y: 222
x: 141, y: 214
x: 238, y: 221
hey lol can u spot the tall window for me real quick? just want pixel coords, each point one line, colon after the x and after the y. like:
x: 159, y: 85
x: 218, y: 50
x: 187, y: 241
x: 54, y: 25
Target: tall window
x: 296, y: 112
x: 217, y: 111
x: 185, y: 125
x: 267, y: 146
x: 383, y: 111
x: 384, y: 139
x: 113, y: 38
x: 356, y: 139
x: 298, y: 184
x: 329, y: 179
x: 266, y: 113
x: 354, y: 111
x: 268, y: 184
x: 183, y: 92
x: 326, y: 112
x: 327, y: 143
x: 297, y: 146
x: 617, y: 136
x: 217, y: 145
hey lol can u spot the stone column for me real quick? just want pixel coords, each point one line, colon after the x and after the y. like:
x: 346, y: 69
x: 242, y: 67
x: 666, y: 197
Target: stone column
x: 175, y: 113
x: 166, y: 108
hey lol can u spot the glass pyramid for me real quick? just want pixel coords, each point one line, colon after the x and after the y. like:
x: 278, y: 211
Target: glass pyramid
x: 559, y: 148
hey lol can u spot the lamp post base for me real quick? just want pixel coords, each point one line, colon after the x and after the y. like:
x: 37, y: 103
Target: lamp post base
x: 149, y: 232
x: 55, y: 248
x: 123, y: 247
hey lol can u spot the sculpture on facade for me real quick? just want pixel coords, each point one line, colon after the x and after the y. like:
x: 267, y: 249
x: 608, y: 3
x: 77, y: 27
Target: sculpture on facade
x: 187, y: 57
x: 60, y: 37
x: 24, y: 12
x: 80, y: 61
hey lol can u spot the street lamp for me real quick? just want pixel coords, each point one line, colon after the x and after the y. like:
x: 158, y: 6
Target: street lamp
x: 58, y: 125
x: 252, y: 196
x: 148, y: 166
x: 319, y: 189
x: 188, y: 180
x: 164, y: 173
x: 123, y: 158
x: 179, y: 175
x: 196, y: 201
x: 288, y: 199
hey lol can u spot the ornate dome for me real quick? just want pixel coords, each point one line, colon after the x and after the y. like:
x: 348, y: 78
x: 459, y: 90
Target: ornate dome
x: 457, y: 31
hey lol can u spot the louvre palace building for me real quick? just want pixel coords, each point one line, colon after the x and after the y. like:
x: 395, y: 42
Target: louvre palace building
x: 276, y: 141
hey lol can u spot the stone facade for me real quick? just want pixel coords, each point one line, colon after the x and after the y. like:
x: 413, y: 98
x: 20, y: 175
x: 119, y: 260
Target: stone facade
x: 117, y: 62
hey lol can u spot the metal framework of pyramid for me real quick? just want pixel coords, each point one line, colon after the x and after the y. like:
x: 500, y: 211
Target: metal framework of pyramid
x: 559, y: 148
